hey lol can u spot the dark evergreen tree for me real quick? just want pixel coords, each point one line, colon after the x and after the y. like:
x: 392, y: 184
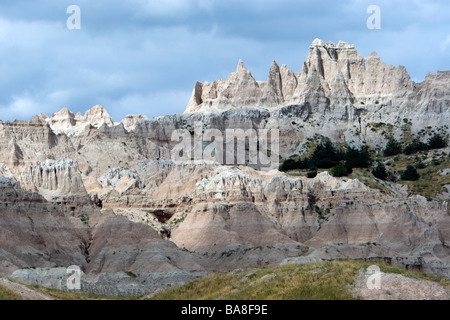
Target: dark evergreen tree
x: 340, y: 170
x: 288, y: 164
x: 415, y: 146
x: 379, y: 171
x: 410, y: 174
x: 325, y: 155
x: 358, y: 158
x: 393, y: 147
x: 437, y: 142
x: 291, y: 164
x: 312, y: 174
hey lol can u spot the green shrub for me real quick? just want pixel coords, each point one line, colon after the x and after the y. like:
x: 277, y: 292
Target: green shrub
x: 325, y: 155
x: 358, y: 158
x: 415, y: 146
x: 410, y: 174
x: 340, y: 170
x: 379, y: 171
x: 435, y: 162
x: 393, y: 147
x: 420, y: 165
x: 437, y: 142
x: 291, y: 164
x: 312, y: 174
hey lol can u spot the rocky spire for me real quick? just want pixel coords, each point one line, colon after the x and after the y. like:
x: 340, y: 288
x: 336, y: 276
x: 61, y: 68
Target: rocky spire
x: 66, y: 122
x: 288, y: 82
x: 98, y: 115
x: 63, y: 117
x: 241, y: 67
x: 241, y: 89
x: 333, y: 74
x: 273, y: 90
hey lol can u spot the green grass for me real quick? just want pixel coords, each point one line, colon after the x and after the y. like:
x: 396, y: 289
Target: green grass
x: 431, y: 181
x: 317, y: 281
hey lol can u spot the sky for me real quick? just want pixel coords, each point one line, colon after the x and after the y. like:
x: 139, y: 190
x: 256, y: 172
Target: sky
x: 145, y: 56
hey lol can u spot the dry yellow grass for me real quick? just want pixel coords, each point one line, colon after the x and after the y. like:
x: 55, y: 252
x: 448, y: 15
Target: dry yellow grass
x: 68, y: 295
x: 8, y: 294
x: 318, y: 281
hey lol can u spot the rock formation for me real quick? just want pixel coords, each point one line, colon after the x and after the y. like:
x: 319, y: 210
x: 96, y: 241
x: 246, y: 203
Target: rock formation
x: 333, y: 75
x: 110, y: 198
x: 338, y: 84
x: 66, y: 122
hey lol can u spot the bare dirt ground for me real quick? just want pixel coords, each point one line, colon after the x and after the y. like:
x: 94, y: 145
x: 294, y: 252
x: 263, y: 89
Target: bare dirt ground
x: 398, y: 287
x: 25, y: 292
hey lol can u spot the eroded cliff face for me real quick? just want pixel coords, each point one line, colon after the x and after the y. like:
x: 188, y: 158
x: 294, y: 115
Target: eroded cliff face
x: 333, y: 75
x: 39, y: 238
x: 108, y: 197
x: 338, y: 85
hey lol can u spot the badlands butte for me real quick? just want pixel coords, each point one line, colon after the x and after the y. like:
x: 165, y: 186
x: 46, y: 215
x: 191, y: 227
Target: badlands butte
x: 108, y: 197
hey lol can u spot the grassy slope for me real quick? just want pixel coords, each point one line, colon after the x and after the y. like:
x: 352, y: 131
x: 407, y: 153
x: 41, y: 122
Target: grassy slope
x: 318, y: 281
x: 431, y: 181
x: 8, y: 294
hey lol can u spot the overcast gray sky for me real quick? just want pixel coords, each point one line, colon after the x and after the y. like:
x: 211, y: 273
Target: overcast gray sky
x: 144, y: 56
